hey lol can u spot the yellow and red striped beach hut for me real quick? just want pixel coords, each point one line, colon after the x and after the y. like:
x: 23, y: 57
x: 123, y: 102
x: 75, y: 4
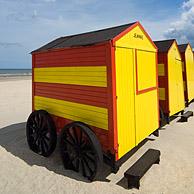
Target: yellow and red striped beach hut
x: 106, y: 79
x: 170, y: 78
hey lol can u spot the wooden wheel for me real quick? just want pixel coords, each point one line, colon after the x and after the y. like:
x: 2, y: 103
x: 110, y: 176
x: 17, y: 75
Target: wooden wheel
x: 81, y: 150
x: 41, y: 133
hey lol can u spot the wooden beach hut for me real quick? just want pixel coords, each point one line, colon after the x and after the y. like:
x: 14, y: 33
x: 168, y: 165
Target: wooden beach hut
x: 188, y: 71
x: 170, y: 78
x: 100, y: 90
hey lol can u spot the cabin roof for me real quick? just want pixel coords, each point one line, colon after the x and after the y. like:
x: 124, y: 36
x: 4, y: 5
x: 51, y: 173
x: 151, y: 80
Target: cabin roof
x: 85, y: 39
x: 182, y: 47
x: 164, y: 45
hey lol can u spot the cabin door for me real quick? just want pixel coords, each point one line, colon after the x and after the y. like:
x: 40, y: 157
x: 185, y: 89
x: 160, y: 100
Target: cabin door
x: 125, y: 92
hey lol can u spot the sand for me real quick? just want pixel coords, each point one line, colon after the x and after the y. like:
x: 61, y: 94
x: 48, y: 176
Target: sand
x: 23, y: 172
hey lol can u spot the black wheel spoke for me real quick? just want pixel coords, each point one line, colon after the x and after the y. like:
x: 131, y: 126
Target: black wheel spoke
x: 75, y: 135
x: 88, y: 149
x: 33, y: 135
x: 83, y: 168
x: 34, y: 141
x: 68, y: 142
x: 39, y: 145
x: 42, y: 146
x: 43, y: 123
x: 81, y: 136
x: 36, y: 118
x: 46, y: 137
x: 88, y: 152
x: 40, y: 120
x: 44, y: 131
x: 71, y: 137
x: 88, y: 166
x: 89, y: 158
x: 34, y: 122
x: 33, y: 128
x: 83, y: 144
x: 45, y: 144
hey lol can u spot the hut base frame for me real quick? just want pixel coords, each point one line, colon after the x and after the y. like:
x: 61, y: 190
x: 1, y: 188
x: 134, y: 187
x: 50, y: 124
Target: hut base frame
x: 111, y: 161
x: 187, y: 103
x: 166, y: 119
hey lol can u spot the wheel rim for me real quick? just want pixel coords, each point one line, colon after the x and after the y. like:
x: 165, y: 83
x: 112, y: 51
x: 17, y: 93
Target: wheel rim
x: 78, y: 151
x: 41, y: 133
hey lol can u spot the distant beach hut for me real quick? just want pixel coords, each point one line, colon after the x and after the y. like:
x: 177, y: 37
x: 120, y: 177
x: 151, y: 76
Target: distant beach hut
x: 171, y: 90
x: 188, y: 71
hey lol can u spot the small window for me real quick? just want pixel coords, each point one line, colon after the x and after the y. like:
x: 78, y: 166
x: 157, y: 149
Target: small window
x: 146, y: 70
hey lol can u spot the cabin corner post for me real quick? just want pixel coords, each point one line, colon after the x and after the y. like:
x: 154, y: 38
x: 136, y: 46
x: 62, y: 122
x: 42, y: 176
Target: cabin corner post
x: 33, y: 84
x: 111, y: 84
x: 157, y: 87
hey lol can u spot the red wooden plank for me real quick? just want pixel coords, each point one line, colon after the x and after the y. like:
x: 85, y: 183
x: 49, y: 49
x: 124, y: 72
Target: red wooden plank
x: 64, y: 55
x: 91, y: 90
x: 73, y: 59
x: 95, y: 55
x: 71, y: 64
x: 60, y: 92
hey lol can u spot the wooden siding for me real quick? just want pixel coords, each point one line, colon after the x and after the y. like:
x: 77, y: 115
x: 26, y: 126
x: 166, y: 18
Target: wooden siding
x: 83, y: 56
x: 89, y: 76
x: 95, y: 96
x: 91, y: 115
x: 87, y: 99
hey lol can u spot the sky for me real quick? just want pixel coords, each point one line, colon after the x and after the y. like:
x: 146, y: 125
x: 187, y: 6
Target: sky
x: 25, y: 25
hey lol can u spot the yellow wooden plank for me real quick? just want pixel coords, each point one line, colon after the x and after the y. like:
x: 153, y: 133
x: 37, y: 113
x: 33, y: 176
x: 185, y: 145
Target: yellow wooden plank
x: 69, y: 78
x: 161, y: 70
x: 125, y: 100
x: 92, y: 115
x: 162, y: 94
x: 73, y: 69
x: 72, y: 73
x: 89, y: 76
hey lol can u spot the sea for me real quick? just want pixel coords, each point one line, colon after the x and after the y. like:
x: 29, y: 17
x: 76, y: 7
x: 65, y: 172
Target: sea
x: 15, y: 72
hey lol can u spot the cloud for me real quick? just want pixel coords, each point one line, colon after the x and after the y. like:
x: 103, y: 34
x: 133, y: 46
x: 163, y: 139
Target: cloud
x: 183, y: 29
x: 10, y: 45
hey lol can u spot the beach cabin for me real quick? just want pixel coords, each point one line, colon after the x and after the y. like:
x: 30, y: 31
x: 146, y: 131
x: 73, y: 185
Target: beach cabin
x: 188, y: 71
x: 170, y: 78
x: 100, y: 90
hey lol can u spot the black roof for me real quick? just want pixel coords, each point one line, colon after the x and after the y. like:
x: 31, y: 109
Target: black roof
x: 182, y: 47
x: 164, y: 45
x: 84, y: 39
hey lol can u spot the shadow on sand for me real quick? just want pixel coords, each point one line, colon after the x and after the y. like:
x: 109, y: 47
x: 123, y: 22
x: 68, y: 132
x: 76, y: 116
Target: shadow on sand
x: 13, y: 139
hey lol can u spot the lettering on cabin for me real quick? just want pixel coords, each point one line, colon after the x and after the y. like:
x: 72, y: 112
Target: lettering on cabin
x: 138, y: 36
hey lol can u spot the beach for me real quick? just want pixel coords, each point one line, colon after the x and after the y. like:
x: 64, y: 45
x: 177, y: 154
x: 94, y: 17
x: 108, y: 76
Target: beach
x: 23, y: 172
